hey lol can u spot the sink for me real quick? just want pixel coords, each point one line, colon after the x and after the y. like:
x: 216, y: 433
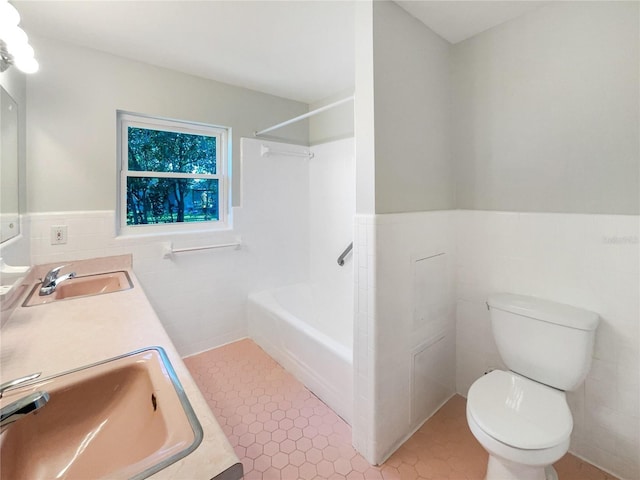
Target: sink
x: 84, y: 286
x: 127, y: 417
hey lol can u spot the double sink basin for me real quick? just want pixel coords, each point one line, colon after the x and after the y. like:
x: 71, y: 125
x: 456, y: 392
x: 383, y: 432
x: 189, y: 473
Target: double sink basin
x: 126, y: 417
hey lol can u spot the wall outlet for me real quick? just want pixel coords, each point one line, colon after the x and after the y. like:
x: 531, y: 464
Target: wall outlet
x: 58, y: 234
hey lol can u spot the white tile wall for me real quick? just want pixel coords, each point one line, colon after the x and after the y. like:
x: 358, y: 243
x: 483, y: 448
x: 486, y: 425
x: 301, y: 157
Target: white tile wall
x: 197, y: 296
x: 364, y: 419
x: 590, y: 261
x: 386, y: 334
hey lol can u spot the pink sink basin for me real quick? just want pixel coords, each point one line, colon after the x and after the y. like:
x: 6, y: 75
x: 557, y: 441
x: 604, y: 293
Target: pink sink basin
x: 127, y: 417
x: 85, y: 286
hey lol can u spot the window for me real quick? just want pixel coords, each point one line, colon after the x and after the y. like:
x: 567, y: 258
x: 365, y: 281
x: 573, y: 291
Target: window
x: 173, y: 175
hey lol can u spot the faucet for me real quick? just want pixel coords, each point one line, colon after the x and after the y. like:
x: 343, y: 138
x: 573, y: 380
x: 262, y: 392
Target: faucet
x: 24, y: 405
x: 21, y: 407
x: 52, y: 280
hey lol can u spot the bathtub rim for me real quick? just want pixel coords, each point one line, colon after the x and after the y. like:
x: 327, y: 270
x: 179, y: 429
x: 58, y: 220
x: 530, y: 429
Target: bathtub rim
x: 266, y: 299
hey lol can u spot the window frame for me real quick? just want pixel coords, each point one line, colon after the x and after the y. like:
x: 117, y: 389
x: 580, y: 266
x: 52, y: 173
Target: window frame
x: 223, y: 160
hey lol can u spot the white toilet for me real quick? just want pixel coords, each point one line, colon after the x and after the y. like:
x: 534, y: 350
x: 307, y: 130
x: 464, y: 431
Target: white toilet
x: 521, y: 416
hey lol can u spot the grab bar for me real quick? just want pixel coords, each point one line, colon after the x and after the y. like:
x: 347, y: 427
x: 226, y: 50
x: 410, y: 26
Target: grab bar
x: 168, y: 250
x: 344, y: 254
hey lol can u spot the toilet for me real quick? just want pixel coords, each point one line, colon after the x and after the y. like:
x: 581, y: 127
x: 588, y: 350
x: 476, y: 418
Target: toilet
x: 521, y: 416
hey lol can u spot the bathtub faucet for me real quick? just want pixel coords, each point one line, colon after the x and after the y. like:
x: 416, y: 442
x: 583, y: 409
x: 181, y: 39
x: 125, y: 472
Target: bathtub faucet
x: 52, y: 280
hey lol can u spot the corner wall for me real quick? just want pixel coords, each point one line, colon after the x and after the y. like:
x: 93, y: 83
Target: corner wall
x: 544, y: 118
x: 404, y: 340
x: 546, y: 143
x: 412, y: 95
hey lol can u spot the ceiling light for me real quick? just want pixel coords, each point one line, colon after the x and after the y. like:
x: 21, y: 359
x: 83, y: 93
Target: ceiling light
x: 9, y: 16
x: 14, y: 43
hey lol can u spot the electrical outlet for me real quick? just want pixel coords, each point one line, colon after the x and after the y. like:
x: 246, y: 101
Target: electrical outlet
x: 58, y: 234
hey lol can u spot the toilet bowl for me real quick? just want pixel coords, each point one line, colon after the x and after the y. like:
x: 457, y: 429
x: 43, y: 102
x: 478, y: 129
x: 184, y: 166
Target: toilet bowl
x: 521, y: 416
x: 523, y: 425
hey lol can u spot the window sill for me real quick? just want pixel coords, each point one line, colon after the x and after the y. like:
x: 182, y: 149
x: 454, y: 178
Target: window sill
x: 178, y: 234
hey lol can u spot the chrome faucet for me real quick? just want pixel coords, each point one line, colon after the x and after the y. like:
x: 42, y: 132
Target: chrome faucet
x: 21, y: 407
x: 51, y: 280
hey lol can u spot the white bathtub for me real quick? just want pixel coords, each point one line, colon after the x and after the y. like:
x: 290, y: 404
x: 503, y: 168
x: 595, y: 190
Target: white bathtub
x: 310, y: 338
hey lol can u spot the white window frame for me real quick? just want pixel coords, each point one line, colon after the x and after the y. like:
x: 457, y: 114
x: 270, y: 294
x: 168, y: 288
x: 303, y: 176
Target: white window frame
x: 223, y: 160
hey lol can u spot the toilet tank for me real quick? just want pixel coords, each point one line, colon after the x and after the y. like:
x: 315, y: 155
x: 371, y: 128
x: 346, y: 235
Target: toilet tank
x: 548, y: 342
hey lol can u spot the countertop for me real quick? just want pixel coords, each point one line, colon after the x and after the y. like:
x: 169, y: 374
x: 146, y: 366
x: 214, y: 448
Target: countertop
x: 64, y: 335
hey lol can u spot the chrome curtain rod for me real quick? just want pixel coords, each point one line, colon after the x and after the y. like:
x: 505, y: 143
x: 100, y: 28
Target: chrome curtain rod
x: 306, y: 115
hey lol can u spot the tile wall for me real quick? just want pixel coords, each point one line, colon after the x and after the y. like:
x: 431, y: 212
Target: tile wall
x: 590, y: 261
x: 405, y: 327
x: 364, y: 248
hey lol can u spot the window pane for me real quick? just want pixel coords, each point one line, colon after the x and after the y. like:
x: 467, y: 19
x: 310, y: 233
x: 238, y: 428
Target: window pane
x: 153, y: 200
x: 161, y: 151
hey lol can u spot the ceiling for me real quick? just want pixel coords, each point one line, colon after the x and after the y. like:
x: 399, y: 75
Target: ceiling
x: 456, y: 21
x: 298, y: 50
x: 302, y: 50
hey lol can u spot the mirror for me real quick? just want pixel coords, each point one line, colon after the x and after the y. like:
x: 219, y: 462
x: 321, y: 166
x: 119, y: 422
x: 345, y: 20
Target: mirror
x: 9, y: 204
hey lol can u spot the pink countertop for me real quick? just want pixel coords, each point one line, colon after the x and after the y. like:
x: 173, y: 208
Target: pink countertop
x: 64, y: 335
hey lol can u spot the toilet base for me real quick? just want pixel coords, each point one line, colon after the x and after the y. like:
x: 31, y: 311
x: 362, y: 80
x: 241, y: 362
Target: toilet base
x: 500, y: 470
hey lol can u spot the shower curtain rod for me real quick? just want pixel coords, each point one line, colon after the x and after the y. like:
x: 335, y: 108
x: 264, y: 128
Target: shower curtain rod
x: 306, y: 115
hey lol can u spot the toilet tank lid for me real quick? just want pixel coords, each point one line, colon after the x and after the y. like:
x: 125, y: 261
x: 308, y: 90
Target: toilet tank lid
x: 545, y: 310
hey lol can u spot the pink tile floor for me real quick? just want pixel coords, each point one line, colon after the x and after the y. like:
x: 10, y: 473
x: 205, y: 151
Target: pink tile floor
x: 280, y: 430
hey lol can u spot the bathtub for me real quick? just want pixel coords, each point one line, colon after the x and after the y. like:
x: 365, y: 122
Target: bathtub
x: 305, y: 332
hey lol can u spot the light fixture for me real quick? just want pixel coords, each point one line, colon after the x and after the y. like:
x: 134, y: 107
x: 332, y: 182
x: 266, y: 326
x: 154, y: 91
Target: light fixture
x: 14, y: 43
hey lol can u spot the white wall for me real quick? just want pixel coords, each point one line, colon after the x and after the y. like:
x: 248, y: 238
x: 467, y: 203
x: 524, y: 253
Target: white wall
x: 332, y: 207
x: 412, y: 96
x: 589, y: 261
x: 72, y: 105
x: 545, y: 111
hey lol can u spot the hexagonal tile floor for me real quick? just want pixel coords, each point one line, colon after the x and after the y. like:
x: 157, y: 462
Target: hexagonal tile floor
x: 280, y: 430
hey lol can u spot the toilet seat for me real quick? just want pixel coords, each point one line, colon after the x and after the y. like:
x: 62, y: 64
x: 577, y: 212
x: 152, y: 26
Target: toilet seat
x: 519, y: 412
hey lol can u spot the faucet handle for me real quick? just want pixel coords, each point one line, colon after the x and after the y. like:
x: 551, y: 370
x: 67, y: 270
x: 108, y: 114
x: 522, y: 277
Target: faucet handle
x: 16, y: 382
x: 53, y: 274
